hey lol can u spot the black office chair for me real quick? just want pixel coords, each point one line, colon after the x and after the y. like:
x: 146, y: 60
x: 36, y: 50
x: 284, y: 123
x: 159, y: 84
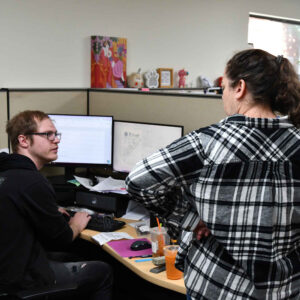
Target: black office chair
x: 65, y: 291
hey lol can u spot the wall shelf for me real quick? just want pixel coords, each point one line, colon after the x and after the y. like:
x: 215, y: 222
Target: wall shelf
x: 192, y: 92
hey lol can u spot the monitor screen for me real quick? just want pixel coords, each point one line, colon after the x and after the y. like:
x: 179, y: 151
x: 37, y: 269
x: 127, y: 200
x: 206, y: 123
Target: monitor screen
x: 85, y: 140
x: 134, y: 141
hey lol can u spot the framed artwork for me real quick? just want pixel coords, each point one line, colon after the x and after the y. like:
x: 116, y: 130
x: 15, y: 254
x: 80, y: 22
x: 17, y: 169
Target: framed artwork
x: 108, y: 62
x: 165, y: 78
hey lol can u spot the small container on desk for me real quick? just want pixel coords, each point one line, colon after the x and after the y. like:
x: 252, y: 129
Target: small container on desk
x: 159, y: 239
x: 170, y: 256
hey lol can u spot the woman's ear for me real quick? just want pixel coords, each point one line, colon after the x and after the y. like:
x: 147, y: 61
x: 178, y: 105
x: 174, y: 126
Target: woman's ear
x: 240, y: 89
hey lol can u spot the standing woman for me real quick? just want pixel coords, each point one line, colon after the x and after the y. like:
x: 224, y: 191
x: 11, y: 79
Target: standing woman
x: 241, y: 179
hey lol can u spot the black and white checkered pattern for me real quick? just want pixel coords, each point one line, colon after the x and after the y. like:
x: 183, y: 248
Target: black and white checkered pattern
x: 242, y: 178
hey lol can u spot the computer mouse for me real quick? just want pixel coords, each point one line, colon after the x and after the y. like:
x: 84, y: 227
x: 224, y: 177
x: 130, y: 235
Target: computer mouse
x: 140, y: 245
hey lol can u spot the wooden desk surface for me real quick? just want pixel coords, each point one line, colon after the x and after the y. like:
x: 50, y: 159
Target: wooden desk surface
x: 141, y: 268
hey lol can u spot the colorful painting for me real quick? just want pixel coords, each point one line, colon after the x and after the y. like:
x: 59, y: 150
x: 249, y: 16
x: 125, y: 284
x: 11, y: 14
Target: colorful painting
x: 108, y: 62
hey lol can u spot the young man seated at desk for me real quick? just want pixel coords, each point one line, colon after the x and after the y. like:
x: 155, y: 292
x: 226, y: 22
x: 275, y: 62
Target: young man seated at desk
x: 30, y: 219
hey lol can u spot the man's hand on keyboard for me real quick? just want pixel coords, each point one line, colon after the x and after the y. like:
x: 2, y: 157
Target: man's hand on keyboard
x: 78, y: 222
x: 95, y: 221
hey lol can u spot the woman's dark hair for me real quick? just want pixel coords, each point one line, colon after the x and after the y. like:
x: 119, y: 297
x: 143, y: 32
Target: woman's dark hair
x: 271, y: 80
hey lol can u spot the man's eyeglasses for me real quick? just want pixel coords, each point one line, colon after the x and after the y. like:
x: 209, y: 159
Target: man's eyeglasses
x: 51, y: 136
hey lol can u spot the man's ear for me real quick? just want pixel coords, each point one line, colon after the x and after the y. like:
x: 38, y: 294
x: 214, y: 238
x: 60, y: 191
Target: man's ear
x: 240, y: 89
x: 24, y: 141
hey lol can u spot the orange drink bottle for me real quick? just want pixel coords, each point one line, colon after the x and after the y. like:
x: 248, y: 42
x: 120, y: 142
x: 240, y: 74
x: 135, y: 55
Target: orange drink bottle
x: 170, y: 256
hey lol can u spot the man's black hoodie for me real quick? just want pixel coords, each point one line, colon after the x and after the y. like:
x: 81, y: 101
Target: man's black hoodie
x: 29, y: 219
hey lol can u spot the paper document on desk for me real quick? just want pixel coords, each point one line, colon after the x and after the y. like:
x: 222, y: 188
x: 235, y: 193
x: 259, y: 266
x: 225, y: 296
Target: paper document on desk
x: 86, y: 182
x: 104, y: 237
x: 136, y: 211
x: 110, y: 185
x: 104, y: 185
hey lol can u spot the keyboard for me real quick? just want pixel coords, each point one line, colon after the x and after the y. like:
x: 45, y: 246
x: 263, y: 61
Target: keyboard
x: 104, y: 223
x: 101, y: 222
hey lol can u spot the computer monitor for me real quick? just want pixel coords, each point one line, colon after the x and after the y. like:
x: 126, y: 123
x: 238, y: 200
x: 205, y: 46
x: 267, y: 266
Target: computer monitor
x: 86, y: 141
x: 134, y: 141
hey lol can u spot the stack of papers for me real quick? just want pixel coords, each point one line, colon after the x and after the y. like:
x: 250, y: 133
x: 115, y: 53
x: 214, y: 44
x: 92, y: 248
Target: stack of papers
x: 104, y: 185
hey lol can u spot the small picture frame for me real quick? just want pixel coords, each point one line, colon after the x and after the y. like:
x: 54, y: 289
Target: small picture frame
x: 165, y: 77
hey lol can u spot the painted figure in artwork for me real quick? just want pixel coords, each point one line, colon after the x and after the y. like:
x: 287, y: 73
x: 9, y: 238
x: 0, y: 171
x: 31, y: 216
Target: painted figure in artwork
x: 105, y: 64
x: 95, y: 58
x: 118, y: 65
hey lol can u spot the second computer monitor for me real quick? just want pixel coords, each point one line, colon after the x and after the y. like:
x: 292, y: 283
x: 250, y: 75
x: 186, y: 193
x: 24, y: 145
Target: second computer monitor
x: 134, y: 141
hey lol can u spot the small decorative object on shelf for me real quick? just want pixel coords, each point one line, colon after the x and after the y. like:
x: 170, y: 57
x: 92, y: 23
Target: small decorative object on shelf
x: 204, y: 83
x: 181, y: 74
x: 151, y: 79
x: 218, y: 81
x: 135, y: 80
x: 165, y: 78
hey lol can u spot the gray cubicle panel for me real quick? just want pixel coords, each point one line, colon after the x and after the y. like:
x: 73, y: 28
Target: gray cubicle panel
x: 190, y: 111
x: 3, y: 119
x: 61, y: 102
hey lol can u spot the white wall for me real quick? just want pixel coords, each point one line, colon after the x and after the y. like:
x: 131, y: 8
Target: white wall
x: 46, y: 43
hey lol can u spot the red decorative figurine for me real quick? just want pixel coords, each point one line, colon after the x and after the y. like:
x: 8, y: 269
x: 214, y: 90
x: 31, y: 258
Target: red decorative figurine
x: 182, y: 73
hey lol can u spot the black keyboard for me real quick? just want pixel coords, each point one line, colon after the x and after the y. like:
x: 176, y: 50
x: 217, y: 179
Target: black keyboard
x: 100, y: 222
x: 104, y: 223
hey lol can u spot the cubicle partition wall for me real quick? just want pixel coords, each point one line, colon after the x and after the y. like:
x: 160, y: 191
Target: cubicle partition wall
x: 50, y: 101
x: 63, y: 102
x: 190, y: 111
x: 3, y: 119
x: 177, y: 108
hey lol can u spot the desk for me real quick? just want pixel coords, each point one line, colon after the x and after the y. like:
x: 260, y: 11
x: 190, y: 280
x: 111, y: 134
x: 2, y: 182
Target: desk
x: 142, y: 268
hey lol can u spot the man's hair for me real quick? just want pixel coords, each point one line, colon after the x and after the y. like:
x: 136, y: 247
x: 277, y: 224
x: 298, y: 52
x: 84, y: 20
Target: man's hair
x: 23, y: 123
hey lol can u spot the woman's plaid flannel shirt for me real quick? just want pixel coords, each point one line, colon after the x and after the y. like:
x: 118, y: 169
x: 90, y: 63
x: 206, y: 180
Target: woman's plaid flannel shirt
x: 242, y: 178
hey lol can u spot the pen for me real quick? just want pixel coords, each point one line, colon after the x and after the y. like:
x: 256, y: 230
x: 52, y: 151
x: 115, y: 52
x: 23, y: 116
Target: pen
x: 143, y: 256
x: 143, y: 259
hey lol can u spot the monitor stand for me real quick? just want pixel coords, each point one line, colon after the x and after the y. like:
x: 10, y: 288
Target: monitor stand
x: 65, y: 191
x: 63, y: 179
x: 69, y: 173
